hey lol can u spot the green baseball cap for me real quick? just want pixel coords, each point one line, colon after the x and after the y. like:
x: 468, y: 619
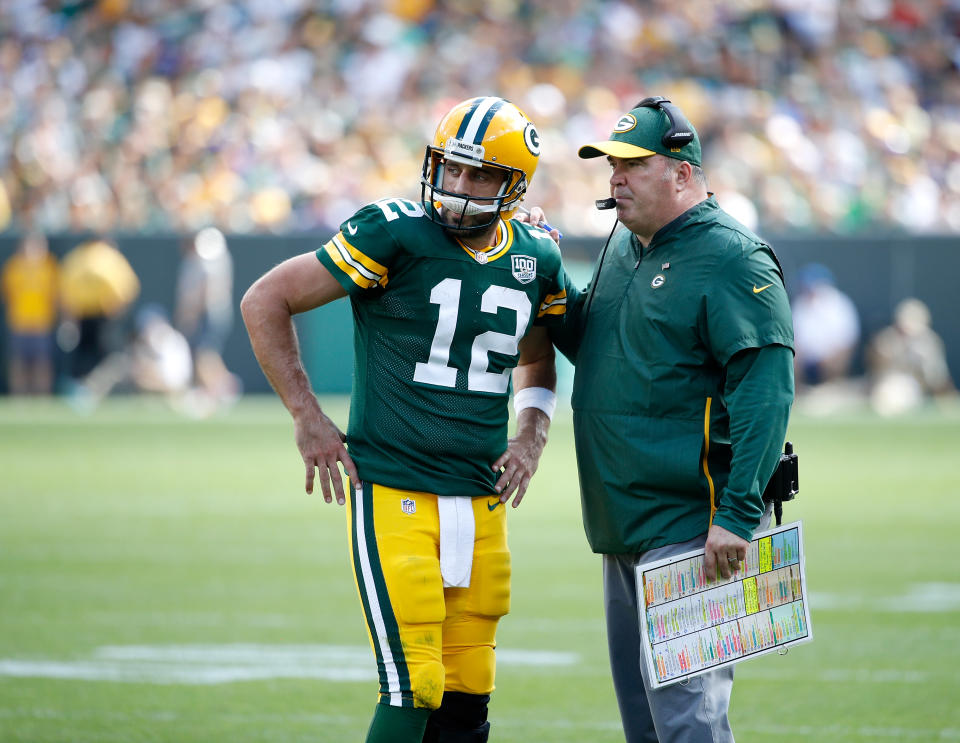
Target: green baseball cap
x: 640, y: 132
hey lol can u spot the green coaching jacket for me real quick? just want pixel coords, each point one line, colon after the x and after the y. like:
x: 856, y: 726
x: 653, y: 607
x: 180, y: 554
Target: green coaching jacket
x: 683, y: 384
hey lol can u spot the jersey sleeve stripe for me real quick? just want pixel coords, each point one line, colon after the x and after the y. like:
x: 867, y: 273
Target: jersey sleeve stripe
x: 361, y: 257
x: 362, y: 270
x: 554, y: 304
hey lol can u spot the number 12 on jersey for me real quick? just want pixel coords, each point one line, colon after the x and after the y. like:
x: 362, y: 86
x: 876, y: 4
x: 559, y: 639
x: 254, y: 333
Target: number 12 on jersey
x: 437, y: 369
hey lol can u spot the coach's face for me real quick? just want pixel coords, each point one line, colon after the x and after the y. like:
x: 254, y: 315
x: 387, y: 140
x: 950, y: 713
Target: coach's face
x: 645, y: 190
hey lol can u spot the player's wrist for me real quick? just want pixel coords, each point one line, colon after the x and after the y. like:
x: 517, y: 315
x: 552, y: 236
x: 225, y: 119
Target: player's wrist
x: 302, y: 403
x: 535, y: 397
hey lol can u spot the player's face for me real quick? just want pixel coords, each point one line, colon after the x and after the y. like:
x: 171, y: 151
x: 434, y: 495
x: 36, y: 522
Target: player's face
x: 643, y: 189
x: 480, y: 184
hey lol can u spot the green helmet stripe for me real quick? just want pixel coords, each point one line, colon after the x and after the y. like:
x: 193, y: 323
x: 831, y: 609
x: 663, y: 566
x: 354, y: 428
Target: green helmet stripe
x: 478, y: 118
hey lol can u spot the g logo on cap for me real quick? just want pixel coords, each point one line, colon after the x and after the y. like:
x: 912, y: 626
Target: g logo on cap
x: 625, y: 124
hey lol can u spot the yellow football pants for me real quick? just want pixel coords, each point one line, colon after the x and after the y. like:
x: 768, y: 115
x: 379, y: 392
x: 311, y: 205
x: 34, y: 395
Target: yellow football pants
x: 426, y: 638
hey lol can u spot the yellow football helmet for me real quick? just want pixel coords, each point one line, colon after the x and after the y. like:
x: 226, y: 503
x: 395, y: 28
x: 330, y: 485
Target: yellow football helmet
x: 484, y: 132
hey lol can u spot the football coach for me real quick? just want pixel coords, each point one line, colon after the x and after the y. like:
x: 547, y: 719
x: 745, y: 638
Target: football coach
x: 683, y: 346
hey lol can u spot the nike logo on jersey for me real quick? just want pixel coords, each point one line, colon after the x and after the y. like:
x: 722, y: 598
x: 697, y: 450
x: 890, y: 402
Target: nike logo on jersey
x: 492, y: 506
x: 757, y: 291
x: 351, y: 229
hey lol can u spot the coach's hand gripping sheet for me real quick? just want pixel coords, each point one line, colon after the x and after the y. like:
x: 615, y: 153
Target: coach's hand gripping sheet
x: 691, y: 626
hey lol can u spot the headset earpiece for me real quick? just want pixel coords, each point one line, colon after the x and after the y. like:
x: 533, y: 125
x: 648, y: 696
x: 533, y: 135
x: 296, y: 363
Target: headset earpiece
x: 680, y: 132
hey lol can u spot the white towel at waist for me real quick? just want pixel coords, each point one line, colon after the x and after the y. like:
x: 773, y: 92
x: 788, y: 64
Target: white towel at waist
x: 457, y: 531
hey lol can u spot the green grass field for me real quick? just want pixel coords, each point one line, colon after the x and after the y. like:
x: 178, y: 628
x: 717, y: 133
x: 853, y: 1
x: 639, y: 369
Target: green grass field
x: 163, y: 579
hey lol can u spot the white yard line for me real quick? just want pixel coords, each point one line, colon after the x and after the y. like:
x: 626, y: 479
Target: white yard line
x: 221, y: 664
x: 922, y: 598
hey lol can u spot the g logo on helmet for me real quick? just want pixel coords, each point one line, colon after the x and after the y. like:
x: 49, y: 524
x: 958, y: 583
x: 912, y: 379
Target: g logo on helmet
x: 531, y: 138
x: 625, y: 124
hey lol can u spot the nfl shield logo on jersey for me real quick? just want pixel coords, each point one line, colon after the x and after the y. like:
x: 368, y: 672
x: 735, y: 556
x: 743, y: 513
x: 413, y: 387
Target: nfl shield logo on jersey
x: 524, y: 268
x: 408, y: 505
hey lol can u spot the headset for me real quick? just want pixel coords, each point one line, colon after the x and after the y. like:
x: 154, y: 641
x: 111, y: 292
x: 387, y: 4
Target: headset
x: 680, y: 132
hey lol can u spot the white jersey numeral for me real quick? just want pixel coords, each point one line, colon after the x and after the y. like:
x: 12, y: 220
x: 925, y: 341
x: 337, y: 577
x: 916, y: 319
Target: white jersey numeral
x: 409, y: 208
x: 478, y: 378
x: 437, y: 369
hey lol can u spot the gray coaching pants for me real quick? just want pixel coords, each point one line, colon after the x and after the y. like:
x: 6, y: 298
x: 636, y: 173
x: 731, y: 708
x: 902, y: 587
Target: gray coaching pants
x: 694, y: 711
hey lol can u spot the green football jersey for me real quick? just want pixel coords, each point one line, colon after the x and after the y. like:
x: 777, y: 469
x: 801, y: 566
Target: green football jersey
x: 436, y: 328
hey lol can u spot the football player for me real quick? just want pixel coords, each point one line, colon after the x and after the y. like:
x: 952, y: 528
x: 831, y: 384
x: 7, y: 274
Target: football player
x: 450, y: 297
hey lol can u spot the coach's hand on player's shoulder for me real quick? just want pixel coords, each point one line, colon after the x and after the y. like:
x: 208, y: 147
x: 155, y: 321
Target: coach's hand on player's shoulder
x: 537, y: 218
x: 321, y: 445
x: 520, y: 460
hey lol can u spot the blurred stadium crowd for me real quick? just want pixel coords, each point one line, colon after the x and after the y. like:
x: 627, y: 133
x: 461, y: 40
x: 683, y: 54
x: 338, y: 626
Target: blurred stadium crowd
x: 286, y: 115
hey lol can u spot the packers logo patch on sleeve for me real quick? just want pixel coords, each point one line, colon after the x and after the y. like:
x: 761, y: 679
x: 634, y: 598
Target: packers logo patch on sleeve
x: 524, y: 268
